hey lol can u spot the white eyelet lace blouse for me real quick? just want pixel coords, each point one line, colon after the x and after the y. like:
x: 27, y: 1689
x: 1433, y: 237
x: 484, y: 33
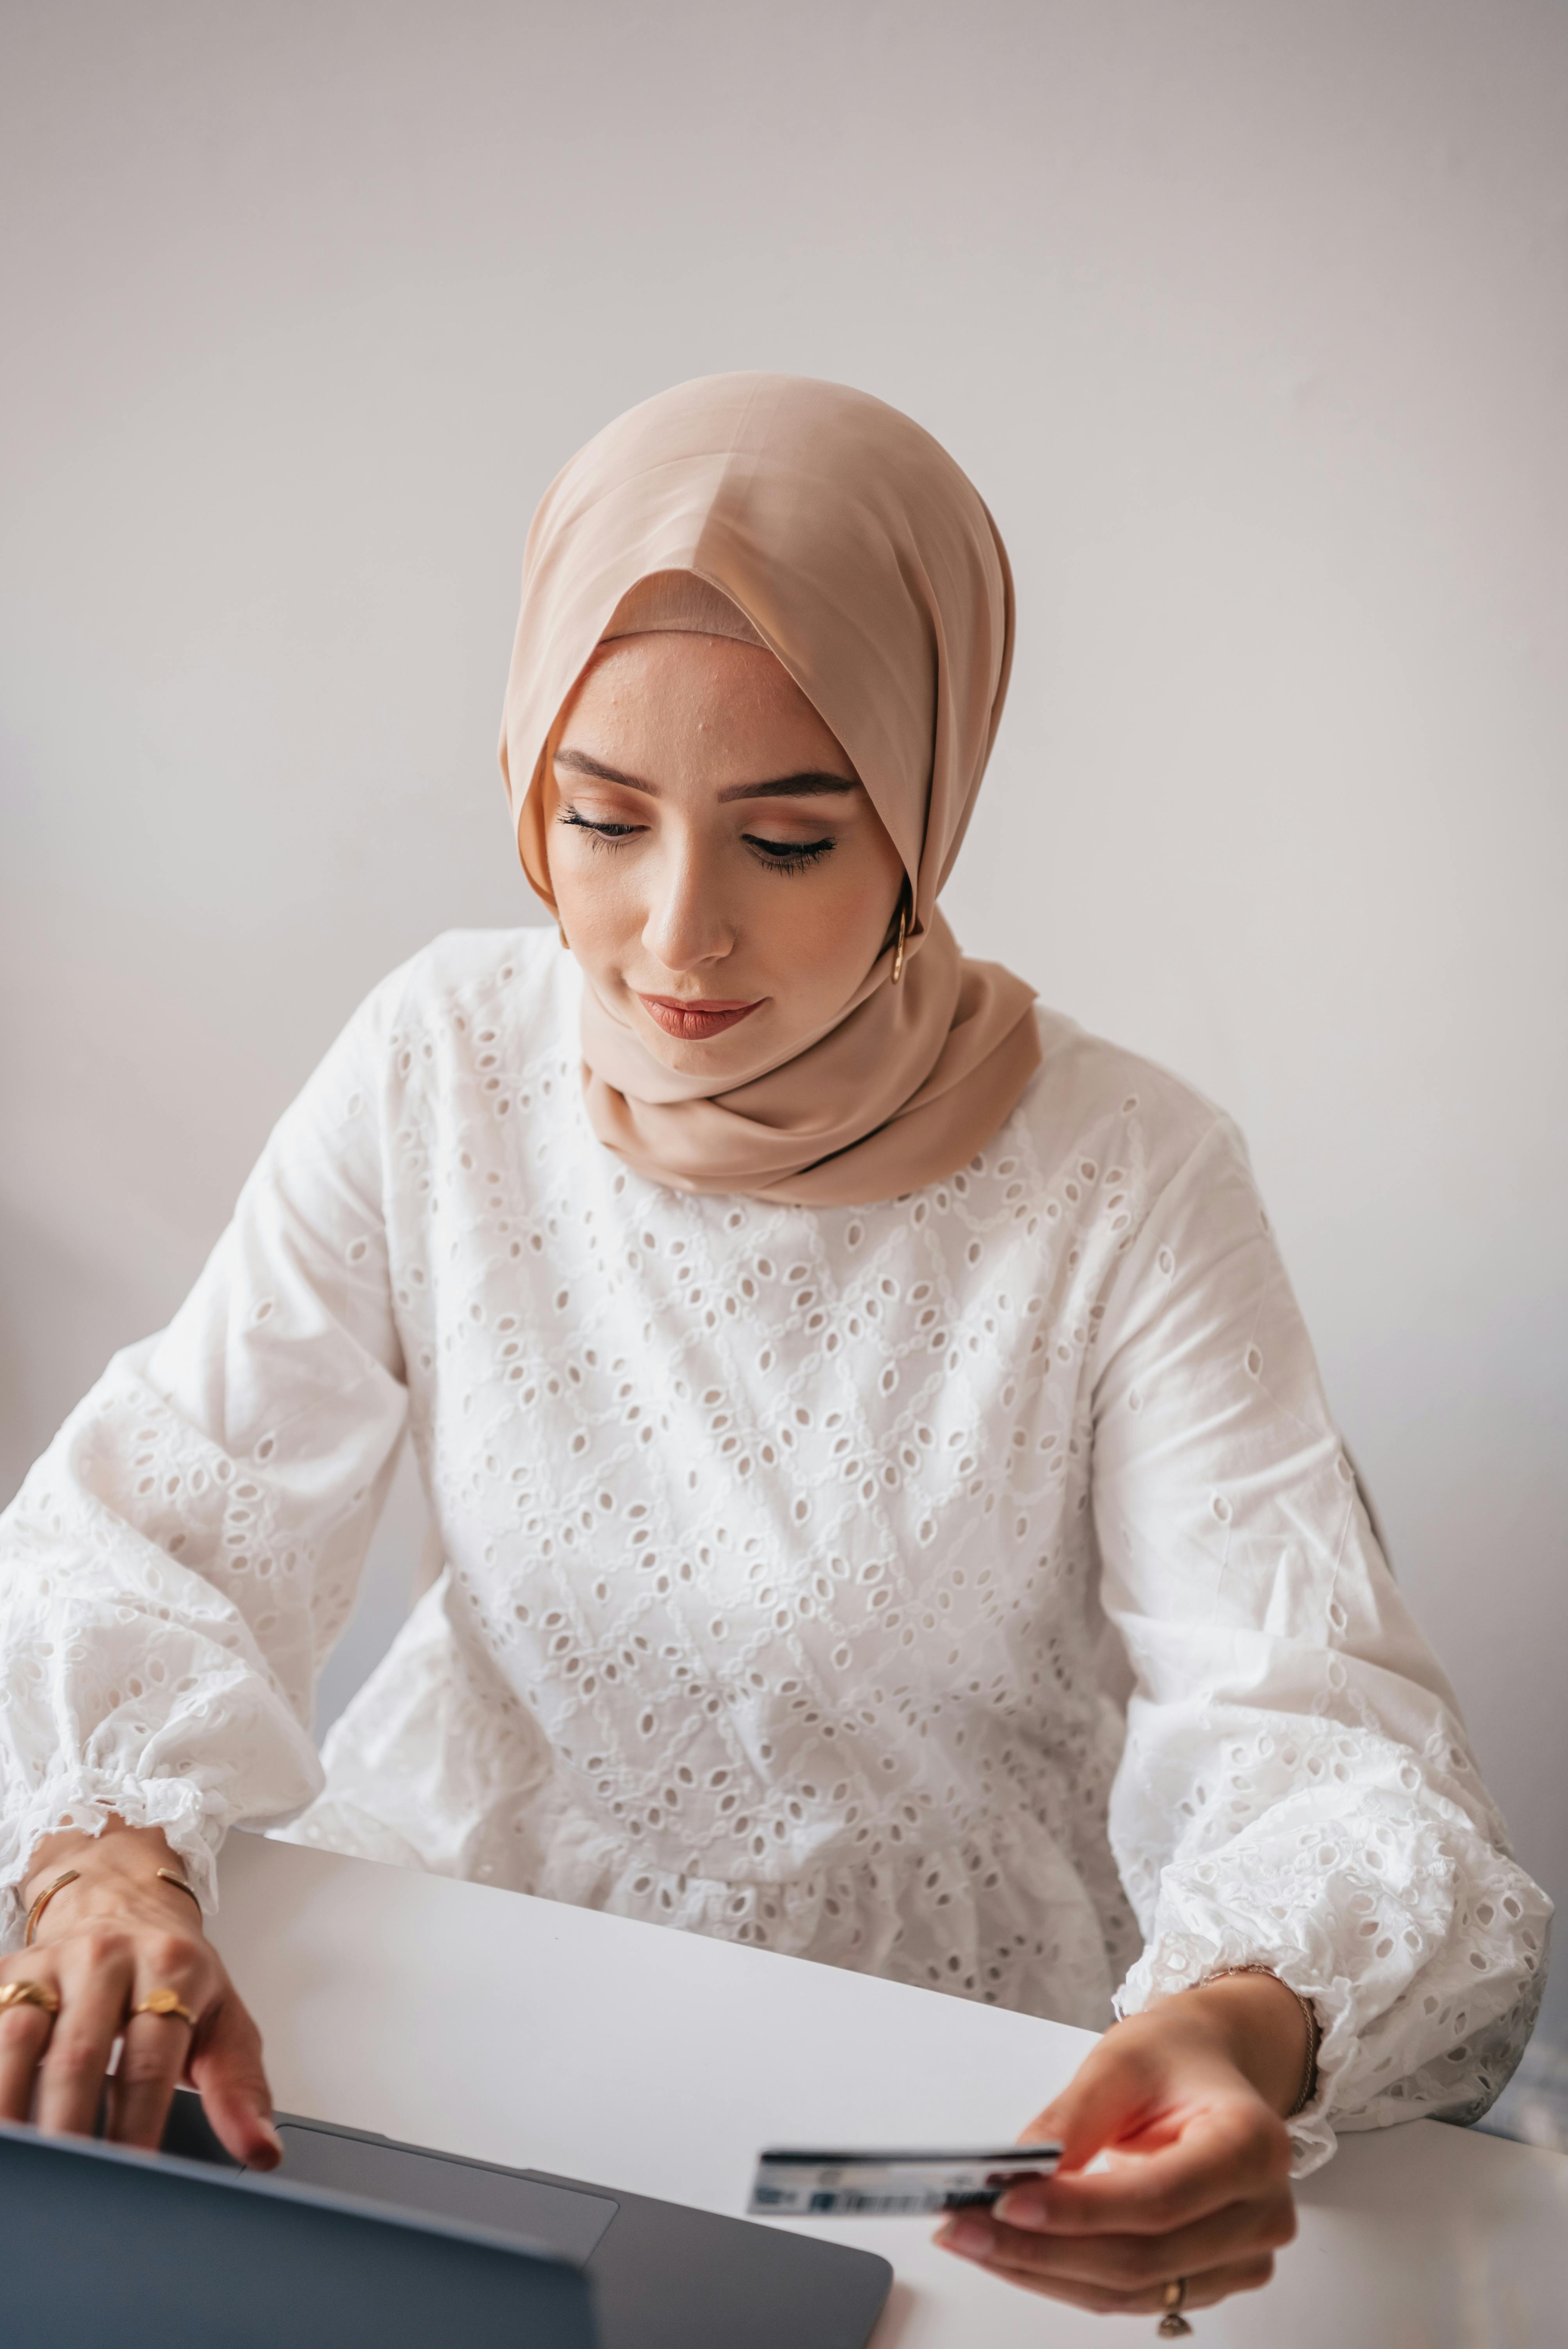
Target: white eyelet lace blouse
x: 790, y: 1557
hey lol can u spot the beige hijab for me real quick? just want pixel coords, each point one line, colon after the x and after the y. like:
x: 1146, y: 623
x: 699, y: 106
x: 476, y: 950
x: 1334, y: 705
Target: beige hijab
x: 851, y: 546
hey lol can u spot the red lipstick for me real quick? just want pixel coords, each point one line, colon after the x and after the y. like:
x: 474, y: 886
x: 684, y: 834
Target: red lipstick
x: 695, y: 1018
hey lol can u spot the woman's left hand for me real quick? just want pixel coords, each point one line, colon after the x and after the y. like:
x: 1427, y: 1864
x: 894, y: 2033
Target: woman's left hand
x: 1185, y: 2101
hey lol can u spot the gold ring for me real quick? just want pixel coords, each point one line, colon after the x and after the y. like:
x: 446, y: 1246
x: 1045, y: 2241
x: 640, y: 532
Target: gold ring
x: 165, y: 2001
x: 29, y: 1994
x: 1173, y: 2325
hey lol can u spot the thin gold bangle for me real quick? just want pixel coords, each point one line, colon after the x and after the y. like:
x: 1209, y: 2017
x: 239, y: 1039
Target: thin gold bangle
x: 42, y: 1900
x: 73, y: 1876
x: 1309, y: 2016
x: 181, y: 1886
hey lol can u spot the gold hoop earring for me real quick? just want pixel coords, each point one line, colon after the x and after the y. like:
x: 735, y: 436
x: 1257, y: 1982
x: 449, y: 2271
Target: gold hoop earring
x: 560, y: 928
x: 897, y: 971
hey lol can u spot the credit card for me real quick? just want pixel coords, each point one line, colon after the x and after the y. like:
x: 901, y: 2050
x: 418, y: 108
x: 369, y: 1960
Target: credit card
x: 892, y: 2185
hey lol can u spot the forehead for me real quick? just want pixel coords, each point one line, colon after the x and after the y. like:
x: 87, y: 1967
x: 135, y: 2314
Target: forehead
x: 707, y: 699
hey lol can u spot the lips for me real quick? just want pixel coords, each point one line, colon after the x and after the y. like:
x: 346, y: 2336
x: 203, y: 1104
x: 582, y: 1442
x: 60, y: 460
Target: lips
x: 692, y: 1018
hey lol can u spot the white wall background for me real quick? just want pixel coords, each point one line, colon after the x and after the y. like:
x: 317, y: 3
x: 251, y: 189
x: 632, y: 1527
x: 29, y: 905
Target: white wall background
x: 1250, y: 318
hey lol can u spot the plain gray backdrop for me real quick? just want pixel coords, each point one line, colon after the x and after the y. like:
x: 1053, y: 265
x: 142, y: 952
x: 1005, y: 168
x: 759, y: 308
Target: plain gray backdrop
x: 1251, y: 322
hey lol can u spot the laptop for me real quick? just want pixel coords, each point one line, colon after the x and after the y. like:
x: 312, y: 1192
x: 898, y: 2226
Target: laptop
x: 358, y: 2242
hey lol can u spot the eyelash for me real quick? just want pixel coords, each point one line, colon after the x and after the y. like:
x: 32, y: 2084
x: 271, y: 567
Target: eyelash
x: 793, y: 860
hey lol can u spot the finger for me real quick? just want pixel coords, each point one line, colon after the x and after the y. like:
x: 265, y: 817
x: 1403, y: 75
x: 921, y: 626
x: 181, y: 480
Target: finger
x: 94, y: 1978
x: 1233, y: 2153
x: 1105, y: 2299
x: 151, y: 2059
x: 152, y: 2056
x: 1127, y: 2264
x: 225, y: 2064
x: 24, y: 2035
x: 1106, y: 2099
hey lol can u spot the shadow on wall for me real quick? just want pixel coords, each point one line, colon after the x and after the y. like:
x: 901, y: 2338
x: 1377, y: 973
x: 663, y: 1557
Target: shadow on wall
x: 1533, y: 2107
x: 55, y: 1314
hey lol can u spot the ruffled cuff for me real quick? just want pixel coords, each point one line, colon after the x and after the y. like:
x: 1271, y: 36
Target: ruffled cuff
x: 192, y: 1820
x: 1425, y: 1975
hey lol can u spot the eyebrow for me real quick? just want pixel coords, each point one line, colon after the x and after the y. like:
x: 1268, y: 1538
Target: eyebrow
x: 810, y: 785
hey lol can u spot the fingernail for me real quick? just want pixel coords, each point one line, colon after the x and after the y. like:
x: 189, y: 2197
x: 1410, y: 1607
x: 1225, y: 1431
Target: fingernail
x: 1022, y: 2207
x: 974, y: 2238
x: 273, y: 2138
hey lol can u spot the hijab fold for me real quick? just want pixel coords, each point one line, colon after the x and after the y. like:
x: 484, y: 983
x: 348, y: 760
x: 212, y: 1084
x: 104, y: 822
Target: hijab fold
x: 842, y: 538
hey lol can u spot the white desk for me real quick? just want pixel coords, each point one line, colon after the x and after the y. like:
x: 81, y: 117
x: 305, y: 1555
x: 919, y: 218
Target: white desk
x: 521, y: 2032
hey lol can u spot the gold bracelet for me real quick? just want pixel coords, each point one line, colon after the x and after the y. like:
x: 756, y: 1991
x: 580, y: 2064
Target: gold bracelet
x: 73, y: 1876
x: 42, y: 1900
x: 1309, y: 2016
x: 181, y: 1886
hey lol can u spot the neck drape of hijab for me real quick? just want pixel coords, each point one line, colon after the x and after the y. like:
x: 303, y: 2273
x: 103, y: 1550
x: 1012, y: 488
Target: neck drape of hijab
x: 853, y: 549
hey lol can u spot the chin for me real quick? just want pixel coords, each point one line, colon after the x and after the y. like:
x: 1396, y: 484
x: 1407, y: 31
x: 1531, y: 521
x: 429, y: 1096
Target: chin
x: 716, y: 1057
x: 733, y: 1057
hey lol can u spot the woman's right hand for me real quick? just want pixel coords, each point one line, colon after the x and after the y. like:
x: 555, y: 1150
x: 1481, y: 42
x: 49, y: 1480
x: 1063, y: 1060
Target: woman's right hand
x: 105, y: 1944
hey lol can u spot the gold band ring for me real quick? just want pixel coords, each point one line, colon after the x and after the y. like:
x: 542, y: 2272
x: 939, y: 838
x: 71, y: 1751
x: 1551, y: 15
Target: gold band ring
x: 1173, y: 2325
x: 29, y: 1994
x: 165, y: 2001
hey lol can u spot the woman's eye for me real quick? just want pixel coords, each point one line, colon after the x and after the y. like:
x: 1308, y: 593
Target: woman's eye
x: 599, y: 830
x: 788, y: 855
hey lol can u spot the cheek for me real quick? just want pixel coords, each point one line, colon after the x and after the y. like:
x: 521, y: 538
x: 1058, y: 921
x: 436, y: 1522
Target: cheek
x: 597, y: 907
x: 827, y: 927
x: 856, y: 898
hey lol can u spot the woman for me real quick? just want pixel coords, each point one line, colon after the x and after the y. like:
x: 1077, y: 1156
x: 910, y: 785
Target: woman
x: 820, y: 1361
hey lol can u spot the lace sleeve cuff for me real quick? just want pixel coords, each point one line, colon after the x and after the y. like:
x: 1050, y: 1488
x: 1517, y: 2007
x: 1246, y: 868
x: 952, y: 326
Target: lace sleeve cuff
x: 191, y: 1819
x: 1425, y: 1979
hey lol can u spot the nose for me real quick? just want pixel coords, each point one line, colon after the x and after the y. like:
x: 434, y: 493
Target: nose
x: 687, y: 928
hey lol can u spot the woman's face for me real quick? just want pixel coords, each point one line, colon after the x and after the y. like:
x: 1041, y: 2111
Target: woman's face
x: 720, y: 873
